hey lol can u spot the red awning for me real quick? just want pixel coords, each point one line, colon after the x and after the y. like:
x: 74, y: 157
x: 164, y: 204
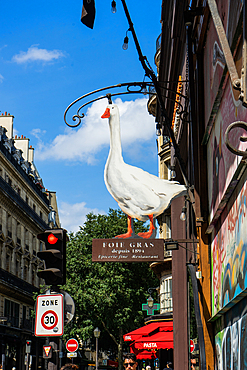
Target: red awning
x: 159, y: 340
x: 149, y: 329
x: 142, y: 354
x: 153, y: 336
x: 145, y: 355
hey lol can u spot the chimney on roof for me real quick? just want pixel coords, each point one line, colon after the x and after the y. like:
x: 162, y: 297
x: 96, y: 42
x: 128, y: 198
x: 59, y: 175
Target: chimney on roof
x: 30, y: 154
x: 23, y: 144
x: 6, y: 121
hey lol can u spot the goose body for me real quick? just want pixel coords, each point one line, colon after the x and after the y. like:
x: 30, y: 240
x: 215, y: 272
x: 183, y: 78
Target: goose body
x: 138, y: 193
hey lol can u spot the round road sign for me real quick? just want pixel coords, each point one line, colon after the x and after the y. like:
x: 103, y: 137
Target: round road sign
x: 72, y: 345
x: 49, y: 320
x: 192, y: 346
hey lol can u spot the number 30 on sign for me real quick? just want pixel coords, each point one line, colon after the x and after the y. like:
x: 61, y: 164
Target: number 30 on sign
x: 49, y: 315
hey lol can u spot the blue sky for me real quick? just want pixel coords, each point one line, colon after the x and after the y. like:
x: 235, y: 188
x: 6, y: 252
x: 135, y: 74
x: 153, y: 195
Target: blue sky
x: 48, y: 58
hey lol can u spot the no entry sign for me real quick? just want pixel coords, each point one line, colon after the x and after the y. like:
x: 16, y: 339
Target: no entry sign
x: 192, y: 346
x: 49, y: 315
x: 72, y: 345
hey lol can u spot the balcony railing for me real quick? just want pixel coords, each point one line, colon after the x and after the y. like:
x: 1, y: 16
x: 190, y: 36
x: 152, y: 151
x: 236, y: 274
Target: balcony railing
x: 11, y: 193
x: 12, y: 321
x: 27, y: 324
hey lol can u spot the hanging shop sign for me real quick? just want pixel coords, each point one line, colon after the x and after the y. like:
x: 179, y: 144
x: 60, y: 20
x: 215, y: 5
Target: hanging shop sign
x: 128, y: 250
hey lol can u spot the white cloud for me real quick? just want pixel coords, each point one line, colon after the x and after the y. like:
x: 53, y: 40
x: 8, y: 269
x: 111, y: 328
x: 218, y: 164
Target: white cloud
x: 37, y: 132
x: 82, y: 144
x: 74, y: 215
x: 35, y: 54
x: 1, y: 78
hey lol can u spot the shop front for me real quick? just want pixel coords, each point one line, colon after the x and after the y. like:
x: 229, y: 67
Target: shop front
x: 152, y: 344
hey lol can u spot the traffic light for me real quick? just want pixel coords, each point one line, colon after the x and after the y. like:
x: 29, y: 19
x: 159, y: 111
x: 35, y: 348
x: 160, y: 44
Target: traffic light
x: 28, y: 346
x: 54, y: 256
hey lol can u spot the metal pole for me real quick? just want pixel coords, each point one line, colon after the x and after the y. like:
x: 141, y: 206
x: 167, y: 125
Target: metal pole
x: 46, y: 361
x: 60, y: 351
x: 96, y: 360
x: 27, y: 363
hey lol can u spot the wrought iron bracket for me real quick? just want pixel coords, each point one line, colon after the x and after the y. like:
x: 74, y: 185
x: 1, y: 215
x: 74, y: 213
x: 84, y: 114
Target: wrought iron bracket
x: 237, y: 82
x: 237, y: 124
x: 122, y: 89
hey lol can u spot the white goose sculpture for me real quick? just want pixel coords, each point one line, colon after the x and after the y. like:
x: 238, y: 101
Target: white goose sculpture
x: 138, y: 193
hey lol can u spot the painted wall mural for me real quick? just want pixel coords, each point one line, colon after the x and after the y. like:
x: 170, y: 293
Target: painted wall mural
x: 229, y: 251
x: 231, y: 345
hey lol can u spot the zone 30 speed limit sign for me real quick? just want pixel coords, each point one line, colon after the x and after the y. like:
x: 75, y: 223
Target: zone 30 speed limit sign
x: 49, y: 315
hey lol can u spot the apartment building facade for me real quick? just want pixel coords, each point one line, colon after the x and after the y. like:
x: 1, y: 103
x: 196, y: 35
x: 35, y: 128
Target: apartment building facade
x: 24, y: 210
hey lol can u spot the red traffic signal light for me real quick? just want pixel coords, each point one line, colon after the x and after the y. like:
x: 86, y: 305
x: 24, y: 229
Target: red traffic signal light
x: 54, y: 256
x: 28, y: 346
x: 52, y: 239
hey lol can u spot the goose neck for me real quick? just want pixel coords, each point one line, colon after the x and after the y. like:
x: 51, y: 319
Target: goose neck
x: 115, y: 138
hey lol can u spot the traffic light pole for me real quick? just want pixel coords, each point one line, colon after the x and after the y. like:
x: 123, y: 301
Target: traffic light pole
x: 27, y: 361
x: 54, y: 274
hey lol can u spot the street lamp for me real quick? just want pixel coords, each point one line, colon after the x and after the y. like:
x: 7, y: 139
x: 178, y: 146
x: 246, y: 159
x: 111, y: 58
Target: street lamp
x: 96, y: 333
x: 150, y: 302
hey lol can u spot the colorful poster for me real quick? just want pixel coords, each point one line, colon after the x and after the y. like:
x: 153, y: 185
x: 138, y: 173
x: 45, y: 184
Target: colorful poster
x: 231, y: 343
x: 229, y: 250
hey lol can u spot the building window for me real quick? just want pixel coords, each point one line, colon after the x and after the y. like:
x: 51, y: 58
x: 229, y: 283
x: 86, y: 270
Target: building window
x: 33, y: 276
x: 34, y: 244
x: 18, y: 231
x: 9, y: 226
x: 167, y: 227
x: 26, y: 239
x: 34, y: 207
x: 24, y: 312
x: 41, y: 215
x: 7, y: 262
x: 12, y: 312
x: 17, y: 268
x: 27, y: 199
x: 166, y: 295
x: 25, y: 273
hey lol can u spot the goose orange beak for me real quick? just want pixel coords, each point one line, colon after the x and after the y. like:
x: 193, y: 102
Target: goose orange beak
x: 106, y: 114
